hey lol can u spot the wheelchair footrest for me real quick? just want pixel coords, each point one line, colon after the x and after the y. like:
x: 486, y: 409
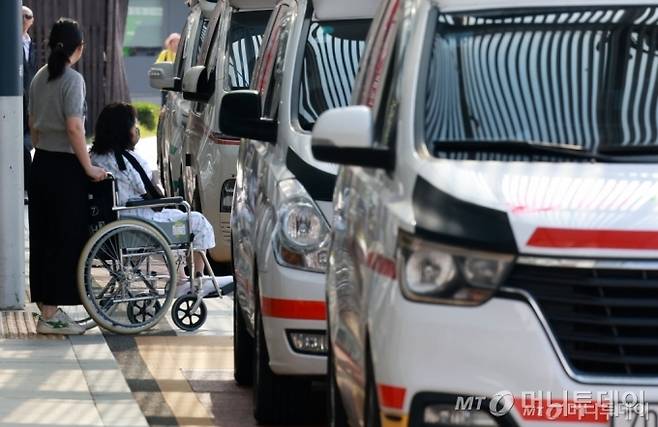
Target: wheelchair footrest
x: 225, y: 283
x: 225, y: 290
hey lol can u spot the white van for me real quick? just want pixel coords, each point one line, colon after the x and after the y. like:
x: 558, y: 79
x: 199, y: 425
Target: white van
x: 282, y: 203
x: 236, y: 33
x: 174, y: 114
x: 495, y: 230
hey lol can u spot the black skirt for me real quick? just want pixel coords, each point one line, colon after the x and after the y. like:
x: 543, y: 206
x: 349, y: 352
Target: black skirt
x: 58, y: 218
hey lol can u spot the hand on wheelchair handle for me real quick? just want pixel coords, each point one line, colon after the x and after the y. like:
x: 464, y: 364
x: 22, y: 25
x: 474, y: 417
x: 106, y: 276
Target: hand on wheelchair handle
x: 96, y: 174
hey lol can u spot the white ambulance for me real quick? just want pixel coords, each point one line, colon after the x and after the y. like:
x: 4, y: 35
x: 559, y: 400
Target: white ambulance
x: 495, y: 229
x: 175, y: 112
x: 226, y: 63
x: 282, y: 203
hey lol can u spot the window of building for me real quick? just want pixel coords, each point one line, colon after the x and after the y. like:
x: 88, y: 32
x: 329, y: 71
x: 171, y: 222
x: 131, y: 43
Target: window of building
x: 144, y: 28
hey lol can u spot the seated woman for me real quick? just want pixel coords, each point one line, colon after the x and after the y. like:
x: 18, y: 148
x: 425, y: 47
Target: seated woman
x: 116, y: 134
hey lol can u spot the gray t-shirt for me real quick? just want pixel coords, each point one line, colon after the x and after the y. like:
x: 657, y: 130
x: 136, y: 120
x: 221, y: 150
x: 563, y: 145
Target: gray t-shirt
x: 51, y: 103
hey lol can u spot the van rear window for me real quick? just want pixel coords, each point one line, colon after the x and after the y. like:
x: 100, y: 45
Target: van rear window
x: 331, y: 61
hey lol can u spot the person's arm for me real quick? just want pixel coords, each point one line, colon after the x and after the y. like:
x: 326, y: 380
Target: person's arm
x: 34, y: 134
x: 76, y: 133
x: 74, y: 111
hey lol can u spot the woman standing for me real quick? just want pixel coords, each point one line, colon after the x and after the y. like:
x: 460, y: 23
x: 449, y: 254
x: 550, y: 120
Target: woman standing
x: 60, y: 174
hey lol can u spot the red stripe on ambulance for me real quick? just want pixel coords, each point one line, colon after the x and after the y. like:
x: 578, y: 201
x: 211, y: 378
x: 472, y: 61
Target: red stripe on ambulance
x: 593, y: 239
x: 294, y: 309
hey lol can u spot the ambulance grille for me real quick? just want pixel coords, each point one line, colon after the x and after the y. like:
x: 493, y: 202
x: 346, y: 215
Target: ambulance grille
x: 605, y: 320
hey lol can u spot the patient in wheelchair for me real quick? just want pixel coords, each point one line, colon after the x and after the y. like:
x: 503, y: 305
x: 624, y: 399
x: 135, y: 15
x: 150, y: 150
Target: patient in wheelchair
x: 114, y: 142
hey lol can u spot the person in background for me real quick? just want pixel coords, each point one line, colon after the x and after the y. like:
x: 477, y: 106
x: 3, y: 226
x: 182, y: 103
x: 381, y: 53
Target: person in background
x: 59, y: 180
x: 29, y: 68
x: 168, y: 54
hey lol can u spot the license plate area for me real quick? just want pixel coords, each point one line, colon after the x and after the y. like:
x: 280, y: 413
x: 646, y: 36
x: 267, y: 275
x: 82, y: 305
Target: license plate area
x: 644, y: 415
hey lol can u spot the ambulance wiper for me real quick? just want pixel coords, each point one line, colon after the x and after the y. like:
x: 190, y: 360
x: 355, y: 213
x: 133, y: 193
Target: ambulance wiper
x: 473, y: 148
x: 629, y: 150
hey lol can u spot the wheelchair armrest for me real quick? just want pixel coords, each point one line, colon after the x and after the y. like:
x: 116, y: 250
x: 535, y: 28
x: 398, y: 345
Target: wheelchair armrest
x: 138, y: 203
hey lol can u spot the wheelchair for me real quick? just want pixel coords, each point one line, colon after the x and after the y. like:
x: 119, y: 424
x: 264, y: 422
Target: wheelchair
x: 128, y: 271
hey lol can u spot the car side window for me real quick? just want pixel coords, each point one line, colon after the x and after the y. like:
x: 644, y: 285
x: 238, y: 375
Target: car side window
x: 179, y: 62
x: 259, y: 75
x: 379, y: 54
x: 385, y: 129
x: 206, y: 42
x: 331, y: 60
x: 211, y: 56
x: 377, y: 89
x: 208, y: 55
x: 270, y: 69
x: 245, y: 38
x: 203, y: 34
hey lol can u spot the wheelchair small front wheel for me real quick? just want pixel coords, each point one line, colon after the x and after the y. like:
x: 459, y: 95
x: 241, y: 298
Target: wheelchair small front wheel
x: 184, y: 317
x: 125, y: 266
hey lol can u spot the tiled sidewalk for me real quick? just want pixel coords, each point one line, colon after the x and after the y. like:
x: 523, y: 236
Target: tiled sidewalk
x: 60, y: 381
x: 73, y: 381
x: 163, y: 377
x: 22, y: 324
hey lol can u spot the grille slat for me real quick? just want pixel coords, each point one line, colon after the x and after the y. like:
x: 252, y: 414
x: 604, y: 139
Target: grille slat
x: 605, y: 320
x: 599, y: 282
x: 600, y: 302
x: 630, y: 341
x: 608, y: 358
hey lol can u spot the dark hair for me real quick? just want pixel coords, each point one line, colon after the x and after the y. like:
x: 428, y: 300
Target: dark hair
x: 65, y: 38
x: 113, y: 128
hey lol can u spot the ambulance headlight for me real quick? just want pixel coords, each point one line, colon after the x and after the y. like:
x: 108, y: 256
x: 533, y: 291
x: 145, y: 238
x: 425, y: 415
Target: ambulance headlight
x: 432, y: 272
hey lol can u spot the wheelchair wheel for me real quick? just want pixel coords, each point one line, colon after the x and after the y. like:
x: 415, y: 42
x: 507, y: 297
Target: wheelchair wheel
x: 79, y: 315
x: 182, y: 315
x: 127, y: 276
x: 142, y: 310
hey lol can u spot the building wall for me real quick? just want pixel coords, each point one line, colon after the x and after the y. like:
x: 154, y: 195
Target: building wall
x: 102, y: 22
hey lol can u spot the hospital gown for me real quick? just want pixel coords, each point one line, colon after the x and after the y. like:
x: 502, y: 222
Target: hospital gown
x: 131, y: 186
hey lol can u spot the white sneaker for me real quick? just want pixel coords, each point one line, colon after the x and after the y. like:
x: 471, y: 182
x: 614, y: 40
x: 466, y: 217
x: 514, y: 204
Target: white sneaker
x: 60, y: 324
x: 63, y: 316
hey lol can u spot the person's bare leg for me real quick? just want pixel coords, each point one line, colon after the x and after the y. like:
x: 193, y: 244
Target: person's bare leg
x: 199, y: 266
x: 48, y: 311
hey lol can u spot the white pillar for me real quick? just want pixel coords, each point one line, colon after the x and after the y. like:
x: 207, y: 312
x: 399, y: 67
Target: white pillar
x: 12, y: 227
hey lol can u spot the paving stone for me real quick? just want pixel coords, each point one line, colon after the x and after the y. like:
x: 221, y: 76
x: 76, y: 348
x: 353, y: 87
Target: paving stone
x: 117, y: 413
x: 48, y: 412
x: 145, y: 388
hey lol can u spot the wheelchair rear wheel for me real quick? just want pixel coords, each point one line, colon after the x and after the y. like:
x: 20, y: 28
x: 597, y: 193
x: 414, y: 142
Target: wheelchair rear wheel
x: 127, y: 266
